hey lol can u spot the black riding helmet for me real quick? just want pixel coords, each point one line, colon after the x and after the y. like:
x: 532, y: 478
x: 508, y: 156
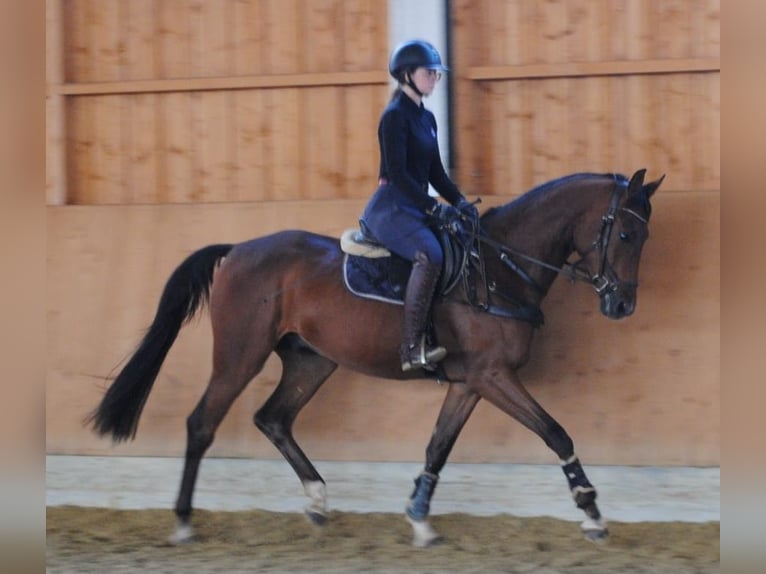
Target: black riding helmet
x: 413, y: 54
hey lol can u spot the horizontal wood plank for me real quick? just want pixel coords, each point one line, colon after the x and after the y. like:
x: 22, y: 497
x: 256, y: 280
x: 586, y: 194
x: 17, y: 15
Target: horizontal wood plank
x: 586, y: 69
x: 222, y: 83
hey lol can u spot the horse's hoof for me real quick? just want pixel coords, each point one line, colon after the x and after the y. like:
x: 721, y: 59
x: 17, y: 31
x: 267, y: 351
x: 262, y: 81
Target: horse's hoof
x: 423, y: 535
x: 316, y: 518
x: 594, y: 530
x: 428, y: 543
x: 596, y: 535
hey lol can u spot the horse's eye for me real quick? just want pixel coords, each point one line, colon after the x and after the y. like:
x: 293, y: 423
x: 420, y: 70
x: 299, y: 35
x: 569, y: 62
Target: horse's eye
x: 625, y: 236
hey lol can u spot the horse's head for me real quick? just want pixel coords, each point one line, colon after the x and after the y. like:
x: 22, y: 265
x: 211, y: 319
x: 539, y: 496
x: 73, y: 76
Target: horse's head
x: 611, y: 260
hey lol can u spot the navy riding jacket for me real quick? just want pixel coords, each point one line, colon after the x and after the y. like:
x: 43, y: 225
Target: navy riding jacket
x: 409, y: 161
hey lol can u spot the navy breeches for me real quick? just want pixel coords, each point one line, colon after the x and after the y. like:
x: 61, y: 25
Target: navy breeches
x: 403, y: 229
x: 405, y: 236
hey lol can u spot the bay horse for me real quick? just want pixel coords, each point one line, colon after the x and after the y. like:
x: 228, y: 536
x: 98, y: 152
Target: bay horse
x: 284, y: 293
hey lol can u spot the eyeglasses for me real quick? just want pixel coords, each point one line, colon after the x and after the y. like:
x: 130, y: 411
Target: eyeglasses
x: 434, y: 74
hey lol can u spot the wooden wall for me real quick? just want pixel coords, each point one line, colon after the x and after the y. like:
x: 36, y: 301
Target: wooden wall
x: 548, y: 88
x: 176, y: 101
x: 177, y: 123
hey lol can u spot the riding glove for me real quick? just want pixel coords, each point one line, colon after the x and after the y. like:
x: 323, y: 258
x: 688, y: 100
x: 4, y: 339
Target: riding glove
x: 444, y: 213
x: 467, y: 208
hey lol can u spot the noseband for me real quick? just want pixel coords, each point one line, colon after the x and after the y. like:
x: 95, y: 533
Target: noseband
x: 605, y: 280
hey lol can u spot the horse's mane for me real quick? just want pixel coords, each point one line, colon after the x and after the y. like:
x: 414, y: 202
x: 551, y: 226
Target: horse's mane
x: 536, y: 194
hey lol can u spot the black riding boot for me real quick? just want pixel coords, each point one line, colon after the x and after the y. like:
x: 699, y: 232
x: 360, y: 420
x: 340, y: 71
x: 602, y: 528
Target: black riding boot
x: 417, y: 304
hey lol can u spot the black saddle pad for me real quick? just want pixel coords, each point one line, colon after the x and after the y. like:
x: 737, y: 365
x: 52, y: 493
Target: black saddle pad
x: 385, y: 278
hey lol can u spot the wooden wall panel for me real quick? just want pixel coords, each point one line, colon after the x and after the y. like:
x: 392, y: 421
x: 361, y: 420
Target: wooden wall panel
x: 139, y: 38
x: 363, y: 105
x: 363, y: 42
x: 322, y: 133
x: 249, y: 36
x: 251, y: 135
x: 548, y: 88
x: 174, y: 39
x: 293, y: 66
x: 212, y: 123
x: 320, y: 21
x: 210, y: 26
x: 142, y: 169
x: 284, y: 38
x: 176, y: 154
x: 287, y: 143
x: 535, y: 130
x: 642, y: 391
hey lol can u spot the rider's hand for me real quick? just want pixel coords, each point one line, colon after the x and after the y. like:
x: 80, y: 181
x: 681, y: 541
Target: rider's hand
x: 445, y: 213
x: 468, y: 209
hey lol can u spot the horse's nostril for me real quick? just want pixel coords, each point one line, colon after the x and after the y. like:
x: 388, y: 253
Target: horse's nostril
x: 621, y: 309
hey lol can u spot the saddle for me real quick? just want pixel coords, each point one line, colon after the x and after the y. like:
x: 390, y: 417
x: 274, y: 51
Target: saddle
x: 373, y: 272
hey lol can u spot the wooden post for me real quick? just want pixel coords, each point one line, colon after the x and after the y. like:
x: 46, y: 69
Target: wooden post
x: 55, y: 106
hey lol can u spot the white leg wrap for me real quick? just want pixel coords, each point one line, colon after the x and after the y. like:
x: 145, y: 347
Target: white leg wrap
x: 317, y: 493
x: 423, y: 534
x: 182, y: 534
x: 589, y: 524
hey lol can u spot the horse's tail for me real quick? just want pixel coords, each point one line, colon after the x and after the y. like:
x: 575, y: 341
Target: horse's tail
x: 187, y: 289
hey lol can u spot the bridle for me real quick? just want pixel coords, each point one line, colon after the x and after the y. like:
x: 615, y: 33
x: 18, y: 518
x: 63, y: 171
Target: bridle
x: 604, y: 281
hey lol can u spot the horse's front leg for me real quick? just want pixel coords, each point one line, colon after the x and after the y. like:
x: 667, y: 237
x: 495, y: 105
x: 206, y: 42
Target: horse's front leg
x: 503, y: 389
x: 457, y: 407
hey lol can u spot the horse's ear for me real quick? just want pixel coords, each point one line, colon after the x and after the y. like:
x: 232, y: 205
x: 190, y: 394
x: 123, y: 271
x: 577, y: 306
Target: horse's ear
x: 652, y: 186
x: 636, y: 182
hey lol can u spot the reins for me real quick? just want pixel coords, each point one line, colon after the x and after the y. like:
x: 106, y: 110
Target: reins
x: 576, y: 271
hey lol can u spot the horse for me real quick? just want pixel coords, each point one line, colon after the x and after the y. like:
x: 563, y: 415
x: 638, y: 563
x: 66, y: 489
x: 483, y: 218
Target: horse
x: 283, y: 293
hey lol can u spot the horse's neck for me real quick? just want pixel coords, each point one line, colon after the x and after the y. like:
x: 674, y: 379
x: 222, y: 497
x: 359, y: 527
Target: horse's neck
x: 542, y: 226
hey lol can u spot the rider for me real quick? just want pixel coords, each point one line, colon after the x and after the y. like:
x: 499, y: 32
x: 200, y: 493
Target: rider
x: 399, y: 212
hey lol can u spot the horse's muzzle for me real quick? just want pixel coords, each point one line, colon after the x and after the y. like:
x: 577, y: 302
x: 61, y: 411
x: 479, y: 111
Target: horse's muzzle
x: 619, y: 303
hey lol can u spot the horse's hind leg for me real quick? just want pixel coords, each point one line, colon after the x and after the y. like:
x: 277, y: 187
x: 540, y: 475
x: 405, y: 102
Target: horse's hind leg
x: 303, y: 372
x: 505, y: 391
x: 238, y: 355
x: 224, y: 387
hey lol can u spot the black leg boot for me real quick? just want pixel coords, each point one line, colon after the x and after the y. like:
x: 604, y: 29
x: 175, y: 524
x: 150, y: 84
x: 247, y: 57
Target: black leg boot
x: 417, y: 305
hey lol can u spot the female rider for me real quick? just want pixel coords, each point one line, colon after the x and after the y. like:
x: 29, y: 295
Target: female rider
x: 400, y: 210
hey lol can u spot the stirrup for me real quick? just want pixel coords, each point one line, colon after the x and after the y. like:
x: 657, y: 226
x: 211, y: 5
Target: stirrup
x: 417, y: 358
